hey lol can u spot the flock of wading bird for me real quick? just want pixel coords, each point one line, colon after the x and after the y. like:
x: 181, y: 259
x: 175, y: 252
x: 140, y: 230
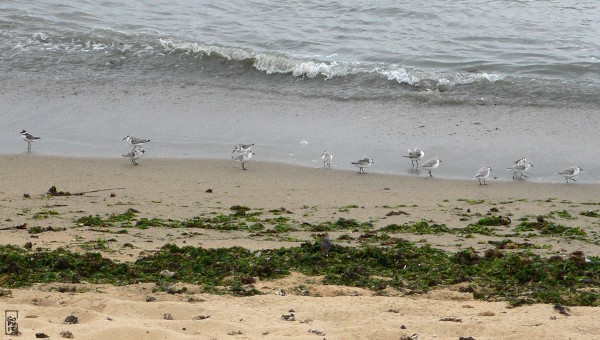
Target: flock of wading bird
x: 243, y: 153
x: 518, y: 167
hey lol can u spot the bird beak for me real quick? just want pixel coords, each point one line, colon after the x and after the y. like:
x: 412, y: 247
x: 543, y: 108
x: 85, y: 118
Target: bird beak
x: 124, y: 138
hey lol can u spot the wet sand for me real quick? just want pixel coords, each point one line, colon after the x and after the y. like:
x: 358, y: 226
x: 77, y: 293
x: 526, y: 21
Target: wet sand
x: 192, y: 120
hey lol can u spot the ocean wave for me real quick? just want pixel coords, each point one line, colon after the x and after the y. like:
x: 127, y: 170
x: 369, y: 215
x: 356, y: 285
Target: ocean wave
x: 302, y: 66
x: 106, y: 48
x: 207, y: 50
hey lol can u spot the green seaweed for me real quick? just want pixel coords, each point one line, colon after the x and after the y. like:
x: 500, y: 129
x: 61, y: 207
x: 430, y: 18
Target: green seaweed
x: 590, y: 213
x: 493, y: 221
x: 347, y: 208
x: 44, y: 214
x: 340, y: 224
x: 471, y: 202
x: 514, y: 277
x: 551, y: 229
x: 563, y: 214
x: 420, y: 228
x: 476, y: 229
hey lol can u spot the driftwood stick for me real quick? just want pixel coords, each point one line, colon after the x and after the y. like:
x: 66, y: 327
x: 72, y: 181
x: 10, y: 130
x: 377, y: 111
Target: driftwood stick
x: 54, y: 192
x: 88, y: 192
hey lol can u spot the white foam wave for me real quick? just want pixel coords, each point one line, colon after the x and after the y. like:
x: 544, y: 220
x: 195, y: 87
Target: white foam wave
x: 225, y: 52
x: 302, y: 66
x: 399, y: 74
x: 279, y: 63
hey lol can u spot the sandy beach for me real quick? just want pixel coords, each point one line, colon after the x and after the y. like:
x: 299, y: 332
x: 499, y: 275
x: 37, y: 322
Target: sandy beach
x: 169, y: 189
x: 187, y: 245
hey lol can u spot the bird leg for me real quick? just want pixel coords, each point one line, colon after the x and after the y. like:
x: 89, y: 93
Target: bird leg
x: 430, y: 175
x: 243, y: 168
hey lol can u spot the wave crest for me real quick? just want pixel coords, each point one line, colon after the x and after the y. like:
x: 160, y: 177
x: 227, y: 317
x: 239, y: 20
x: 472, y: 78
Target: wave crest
x: 299, y: 66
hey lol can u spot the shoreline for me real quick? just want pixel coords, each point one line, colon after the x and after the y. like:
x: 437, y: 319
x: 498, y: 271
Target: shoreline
x: 223, y: 162
x: 199, y: 121
x: 348, y: 168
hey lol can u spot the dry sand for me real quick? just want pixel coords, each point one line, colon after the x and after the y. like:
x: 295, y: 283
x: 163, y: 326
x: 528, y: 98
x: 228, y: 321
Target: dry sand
x: 176, y: 189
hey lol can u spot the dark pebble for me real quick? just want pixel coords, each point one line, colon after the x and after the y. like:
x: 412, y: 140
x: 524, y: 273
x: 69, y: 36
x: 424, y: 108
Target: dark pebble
x: 71, y: 320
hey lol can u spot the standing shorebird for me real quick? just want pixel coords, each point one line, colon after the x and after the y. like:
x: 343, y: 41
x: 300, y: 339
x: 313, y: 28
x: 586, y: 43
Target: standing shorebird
x: 134, y: 154
x: 241, y: 148
x: 521, y: 160
x: 415, y: 155
x: 325, y: 246
x: 327, y: 158
x: 362, y: 164
x: 431, y: 165
x: 571, y: 173
x: 135, y: 142
x: 520, y: 168
x: 243, y: 157
x: 29, y: 138
x: 482, y: 174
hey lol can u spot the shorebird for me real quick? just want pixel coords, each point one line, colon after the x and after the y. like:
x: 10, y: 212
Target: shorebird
x: 134, y: 154
x: 521, y: 160
x: 571, y: 173
x: 136, y: 142
x: 430, y: 165
x: 243, y: 157
x: 415, y: 155
x: 325, y: 246
x: 362, y: 164
x: 29, y: 138
x: 327, y: 158
x: 241, y: 148
x: 483, y: 173
x: 520, y: 168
